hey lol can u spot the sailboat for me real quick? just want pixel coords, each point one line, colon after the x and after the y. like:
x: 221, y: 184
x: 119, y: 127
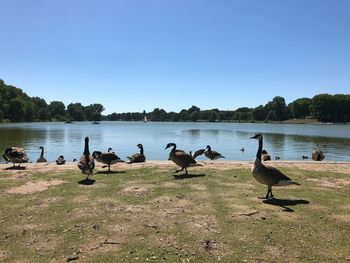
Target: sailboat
x: 144, y: 116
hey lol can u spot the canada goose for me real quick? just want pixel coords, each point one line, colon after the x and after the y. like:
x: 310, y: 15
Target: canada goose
x: 60, y: 160
x: 212, y: 155
x: 137, y: 157
x: 41, y: 159
x: 317, y: 155
x: 107, y: 158
x: 268, y: 175
x: 86, y: 163
x: 265, y: 156
x: 181, y: 158
x: 15, y: 155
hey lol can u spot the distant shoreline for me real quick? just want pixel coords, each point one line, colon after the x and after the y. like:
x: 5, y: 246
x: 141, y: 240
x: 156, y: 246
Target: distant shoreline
x: 291, y: 121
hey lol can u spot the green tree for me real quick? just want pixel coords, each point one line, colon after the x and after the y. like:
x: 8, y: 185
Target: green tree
x: 259, y: 113
x: 57, y: 110
x: 75, y: 111
x: 276, y: 109
x: 300, y: 108
x: 16, y: 110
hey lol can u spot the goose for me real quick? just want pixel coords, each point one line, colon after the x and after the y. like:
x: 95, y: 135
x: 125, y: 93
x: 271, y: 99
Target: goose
x: 15, y: 155
x: 107, y: 158
x: 265, y: 156
x: 212, y: 155
x: 305, y: 157
x: 317, y: 155
x: 181, y: 158
x: 86, y: 163
x: 60, y: 160
x: 268, y: 175
x: 137, y: 157
x: 41, y: 159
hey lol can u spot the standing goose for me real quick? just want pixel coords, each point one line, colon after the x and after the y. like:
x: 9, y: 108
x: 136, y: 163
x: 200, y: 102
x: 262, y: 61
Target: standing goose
x: 15, y: 155
x: 41, y: 159
x: 86, y: 163
x: 107, y: 158
x: 60, y: 160
x: 268, y: 175
x: 212, y: 155
x: 181, y: 158
x: 137, y: 157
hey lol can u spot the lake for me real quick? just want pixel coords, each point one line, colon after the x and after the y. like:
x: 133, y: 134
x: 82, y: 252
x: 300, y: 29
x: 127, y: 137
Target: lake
x: 288, y: 141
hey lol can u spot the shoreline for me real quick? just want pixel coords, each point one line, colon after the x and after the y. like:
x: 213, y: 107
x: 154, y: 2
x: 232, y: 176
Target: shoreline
x: 324, y: 166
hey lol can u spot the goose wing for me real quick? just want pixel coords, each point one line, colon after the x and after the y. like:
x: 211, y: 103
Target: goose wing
x: 276, y: 176
x: 198, y: 152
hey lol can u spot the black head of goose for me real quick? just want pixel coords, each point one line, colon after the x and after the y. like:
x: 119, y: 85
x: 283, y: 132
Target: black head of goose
x: 267, y: 175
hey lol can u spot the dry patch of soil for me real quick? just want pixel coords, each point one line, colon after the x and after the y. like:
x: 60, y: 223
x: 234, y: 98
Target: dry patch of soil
x: 33, y: 187
x: 331, y: 182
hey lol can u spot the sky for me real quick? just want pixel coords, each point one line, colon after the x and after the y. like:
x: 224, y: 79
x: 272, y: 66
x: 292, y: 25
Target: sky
x: 135, y: 55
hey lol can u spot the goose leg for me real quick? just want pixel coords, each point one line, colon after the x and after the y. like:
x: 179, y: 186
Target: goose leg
x: 109, y: 168
x: 179, y: 170
x: 185, y: 170
x: 269, y: 193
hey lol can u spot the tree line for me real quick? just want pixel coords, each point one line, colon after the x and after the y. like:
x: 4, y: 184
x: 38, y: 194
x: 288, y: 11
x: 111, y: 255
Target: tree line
x: 17, y: 106
x: 322, y: 107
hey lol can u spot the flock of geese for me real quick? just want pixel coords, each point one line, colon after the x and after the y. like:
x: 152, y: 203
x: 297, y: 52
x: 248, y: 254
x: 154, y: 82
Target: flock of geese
x: 264, y: 174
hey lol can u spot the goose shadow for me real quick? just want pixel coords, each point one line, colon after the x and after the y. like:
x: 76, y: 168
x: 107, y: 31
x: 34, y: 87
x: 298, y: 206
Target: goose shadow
x: 110, y: 172
x: 16, y: 168
x: 186, y: 176
x: 284, y: 203
x: 87, y: 181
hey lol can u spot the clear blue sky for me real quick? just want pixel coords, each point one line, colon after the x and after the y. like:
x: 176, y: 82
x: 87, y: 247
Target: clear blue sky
x: 133, y: 55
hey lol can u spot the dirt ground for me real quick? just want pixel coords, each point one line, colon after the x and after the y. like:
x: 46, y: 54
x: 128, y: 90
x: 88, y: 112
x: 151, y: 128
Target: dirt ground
x: 337, y: 167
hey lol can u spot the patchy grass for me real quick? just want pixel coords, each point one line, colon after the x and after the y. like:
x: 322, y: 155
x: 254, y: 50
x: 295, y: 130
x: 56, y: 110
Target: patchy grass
x: 147, y: 214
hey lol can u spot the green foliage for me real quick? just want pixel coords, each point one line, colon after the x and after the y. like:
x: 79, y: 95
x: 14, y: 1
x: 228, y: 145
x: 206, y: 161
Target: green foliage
x: 17, y: 106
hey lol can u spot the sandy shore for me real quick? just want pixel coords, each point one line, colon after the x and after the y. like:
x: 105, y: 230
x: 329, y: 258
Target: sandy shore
x: 338, y: 167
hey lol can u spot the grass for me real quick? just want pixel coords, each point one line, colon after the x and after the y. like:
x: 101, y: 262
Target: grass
x: 148, y: 214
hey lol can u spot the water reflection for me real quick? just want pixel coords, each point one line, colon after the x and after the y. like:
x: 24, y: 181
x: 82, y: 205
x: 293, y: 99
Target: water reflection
x: 228, y: 139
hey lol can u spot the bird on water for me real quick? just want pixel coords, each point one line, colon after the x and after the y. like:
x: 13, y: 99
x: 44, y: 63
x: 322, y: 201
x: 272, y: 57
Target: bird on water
x: 268, y: 175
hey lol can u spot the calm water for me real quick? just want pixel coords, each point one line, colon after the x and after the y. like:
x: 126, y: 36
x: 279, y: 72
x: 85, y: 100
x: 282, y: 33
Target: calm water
x: 287, y: 141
